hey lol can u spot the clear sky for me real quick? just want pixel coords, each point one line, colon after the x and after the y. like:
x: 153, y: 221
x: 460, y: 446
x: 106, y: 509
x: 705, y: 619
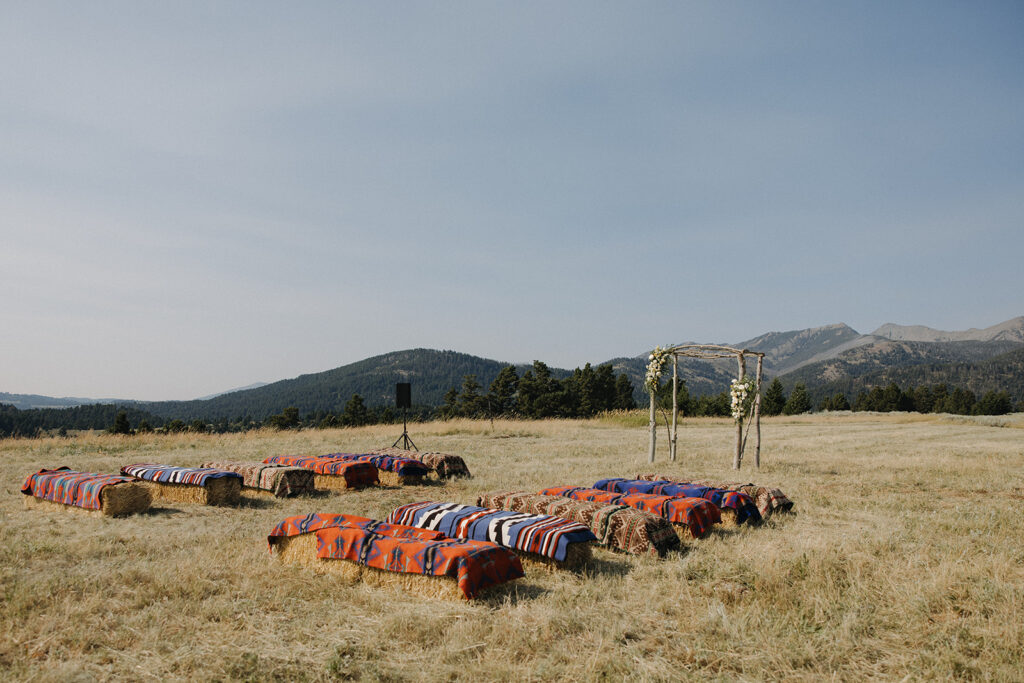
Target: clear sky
x: 198, y: 196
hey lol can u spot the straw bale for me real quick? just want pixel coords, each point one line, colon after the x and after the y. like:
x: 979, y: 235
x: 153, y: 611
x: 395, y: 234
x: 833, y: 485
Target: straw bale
x: 577, y: 557
x: 388, y: 478
x: 684, y: 533
x: 331, y: 482
x: 216, y: 491
x: 728, y: 517
x: 301, y: 551
x: 116, y: 500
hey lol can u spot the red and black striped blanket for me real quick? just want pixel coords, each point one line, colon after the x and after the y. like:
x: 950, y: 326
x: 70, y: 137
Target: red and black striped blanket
x: 281, y: 480
x: 616, y: 526
x: 64, y: 485
x: 723, y: 498
x: 474, y: 565
x: 170, y: 474
x: 697, y: 514
x: 541, y: 534
x: 355, y: 473
x: 768, y: 500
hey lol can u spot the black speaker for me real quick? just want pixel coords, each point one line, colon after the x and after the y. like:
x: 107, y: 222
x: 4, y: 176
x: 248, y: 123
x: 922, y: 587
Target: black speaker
x: 403, y: 395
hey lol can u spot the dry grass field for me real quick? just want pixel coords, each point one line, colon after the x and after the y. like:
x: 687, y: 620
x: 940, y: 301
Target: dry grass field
x: 904, y: 561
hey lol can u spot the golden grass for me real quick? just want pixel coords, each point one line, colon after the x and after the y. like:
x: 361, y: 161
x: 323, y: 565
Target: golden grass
x: 217, y: 491
x: 905, y: 560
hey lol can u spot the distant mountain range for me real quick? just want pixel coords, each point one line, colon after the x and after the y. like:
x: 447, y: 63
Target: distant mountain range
x: 826, y: 359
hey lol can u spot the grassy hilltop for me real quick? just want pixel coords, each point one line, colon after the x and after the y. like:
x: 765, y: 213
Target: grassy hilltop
x: 905, y: 559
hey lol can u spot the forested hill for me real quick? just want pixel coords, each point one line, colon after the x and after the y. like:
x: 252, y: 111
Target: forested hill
x: 431, y: 373
x: 910, y: 364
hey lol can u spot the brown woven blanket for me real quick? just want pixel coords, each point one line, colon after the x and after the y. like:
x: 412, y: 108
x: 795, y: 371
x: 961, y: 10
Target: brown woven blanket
x: 616, y: 526
x: 447, y: 466
x: 279, y: 480
x: 768, y: 500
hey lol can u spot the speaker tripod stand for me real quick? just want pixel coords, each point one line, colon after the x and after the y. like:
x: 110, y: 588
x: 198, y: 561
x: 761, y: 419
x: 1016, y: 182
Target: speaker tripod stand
x: 404, y: 438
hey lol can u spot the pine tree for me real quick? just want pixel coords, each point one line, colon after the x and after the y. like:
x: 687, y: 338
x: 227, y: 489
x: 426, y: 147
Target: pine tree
x: 502, y: 393
x: 798, y: 401
x: 355, y: 412
x: 624, y: 399
x: 121, y: 425
x: 774, y: 399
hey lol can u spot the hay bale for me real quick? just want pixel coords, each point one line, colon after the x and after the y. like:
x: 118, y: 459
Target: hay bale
x: 577, y: 557
x: 442, y: 465
x: 394, y: 479
x: 116, y: 500
x: 88, y: 492
x: 331, y: 482
x: 301, y: 551
x: 260, y: 479
x: 218, y: 491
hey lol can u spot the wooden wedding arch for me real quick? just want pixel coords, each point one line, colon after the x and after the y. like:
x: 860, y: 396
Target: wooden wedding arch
x: 709, y: 352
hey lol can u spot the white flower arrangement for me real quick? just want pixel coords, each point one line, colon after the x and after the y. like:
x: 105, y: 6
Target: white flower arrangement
x: 742, y: 392
x: 655, y: 364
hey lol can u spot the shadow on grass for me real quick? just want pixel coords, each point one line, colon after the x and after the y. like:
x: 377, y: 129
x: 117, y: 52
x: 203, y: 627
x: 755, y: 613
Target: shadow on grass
x: 609, y: 565
x: 256, y: 503
x: 512, y: 594
x: 162, y: 512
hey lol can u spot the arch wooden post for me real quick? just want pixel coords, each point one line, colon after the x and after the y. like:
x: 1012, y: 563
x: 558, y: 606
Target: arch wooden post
x: 757, y: 415
x: 675, y: 408
x: 653, y: 427
x: 738, y: 457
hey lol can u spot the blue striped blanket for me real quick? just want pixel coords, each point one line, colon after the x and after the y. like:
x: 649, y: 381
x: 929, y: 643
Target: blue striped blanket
x: 540, y: 534
x: 169, y: 474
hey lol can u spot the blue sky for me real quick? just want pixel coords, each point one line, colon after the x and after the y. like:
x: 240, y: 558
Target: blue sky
x: 198, y: 196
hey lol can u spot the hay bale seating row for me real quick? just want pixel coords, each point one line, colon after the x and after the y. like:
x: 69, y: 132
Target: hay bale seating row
x: 392, y: 470
x: 617, y: 527
x: 444, y: 465
x: 736, y: 507
x: 418, y: 560
x: 692, y: 518
x: 768, y: 500
x: 261, y: 479
x: 331, y: 474
x: 541, y: 541
x: 107, y: 495
x: 204, y: 486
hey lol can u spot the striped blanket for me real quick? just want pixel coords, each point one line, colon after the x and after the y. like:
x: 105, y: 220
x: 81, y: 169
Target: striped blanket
x: 403, y: 467
x: 541, y: 534
x: 169, y: 474
x: 615, y: 526
x: 447, y: 466
x: 697, y: 514
x: 768, y: 500
x: 280, y: 480
x: 64, y: 485
x: 356, y: 474
x: 474, y: 565
x: 743, y: 504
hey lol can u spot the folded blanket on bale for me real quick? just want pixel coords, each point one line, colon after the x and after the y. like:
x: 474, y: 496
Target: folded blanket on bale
x: 170, y: 474
x: 696, y: 514
x: 542, y: 535
x: 402, y: 549
x: 355, y: 474
x: 446, y: 466
x: 64, y: 485
x: 403, y: 467
x: 280, y: 480
x: 741, y: 505
x: 616, y: 526
x: 768, y: 500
